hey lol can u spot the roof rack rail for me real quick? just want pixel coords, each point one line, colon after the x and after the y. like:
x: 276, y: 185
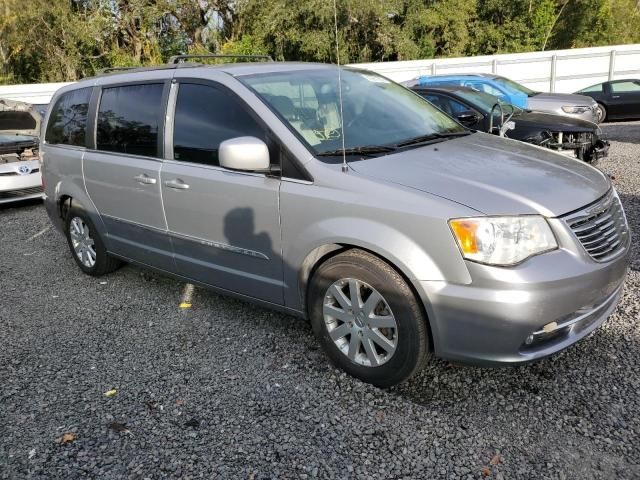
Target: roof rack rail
x: 176, y: 59
x: 114, y: 69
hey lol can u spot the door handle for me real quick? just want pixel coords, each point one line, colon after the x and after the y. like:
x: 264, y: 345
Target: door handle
x: 144, y: 179
x: 615, y: 96
x: 177, y: 184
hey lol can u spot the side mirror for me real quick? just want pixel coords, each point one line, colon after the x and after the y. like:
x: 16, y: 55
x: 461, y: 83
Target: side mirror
x: 249, y: 154
x: 468, y: 117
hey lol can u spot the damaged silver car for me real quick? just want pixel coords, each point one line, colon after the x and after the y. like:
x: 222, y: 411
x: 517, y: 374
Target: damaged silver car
x: 20, y: 177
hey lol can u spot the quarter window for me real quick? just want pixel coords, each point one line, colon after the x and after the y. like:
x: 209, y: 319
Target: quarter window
x: 205, y: 116
x: 592, y: 89
x: 68, y: 120
x: 129, y: 119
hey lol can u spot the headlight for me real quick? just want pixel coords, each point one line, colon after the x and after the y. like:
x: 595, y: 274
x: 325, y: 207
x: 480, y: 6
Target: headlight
x: 578, y: 109
x: 502, y: 240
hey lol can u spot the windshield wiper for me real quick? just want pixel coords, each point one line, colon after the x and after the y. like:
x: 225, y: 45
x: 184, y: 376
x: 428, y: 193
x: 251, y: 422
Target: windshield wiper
x: 361, y: 150
x: 433, y: 137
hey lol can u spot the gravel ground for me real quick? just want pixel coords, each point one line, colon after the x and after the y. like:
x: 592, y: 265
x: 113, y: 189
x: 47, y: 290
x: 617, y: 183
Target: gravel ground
x: 229, y: 390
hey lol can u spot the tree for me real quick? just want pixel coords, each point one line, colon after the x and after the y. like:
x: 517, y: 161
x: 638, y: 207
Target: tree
x: 59, y: 40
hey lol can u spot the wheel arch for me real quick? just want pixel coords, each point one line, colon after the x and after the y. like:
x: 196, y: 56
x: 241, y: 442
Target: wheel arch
x: 67, y: 196
x: 321, y: 254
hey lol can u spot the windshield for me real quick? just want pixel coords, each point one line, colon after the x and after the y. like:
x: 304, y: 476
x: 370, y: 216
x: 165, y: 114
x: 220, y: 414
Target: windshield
x: 515, y: 86
x: 377, y: 112
x: 485, y: 102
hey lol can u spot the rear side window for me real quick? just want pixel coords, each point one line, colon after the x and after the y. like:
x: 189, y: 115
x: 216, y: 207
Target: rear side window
x: 129, y: 118
x: 486, y: 88
x: 631, y: 86
x: 68, y: 120
x: 206, y: 116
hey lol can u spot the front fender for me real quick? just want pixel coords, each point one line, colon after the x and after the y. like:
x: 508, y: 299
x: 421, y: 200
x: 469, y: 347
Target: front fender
x: 390, y: 244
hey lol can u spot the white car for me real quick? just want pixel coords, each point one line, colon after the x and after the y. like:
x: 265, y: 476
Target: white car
x: 20, y: 177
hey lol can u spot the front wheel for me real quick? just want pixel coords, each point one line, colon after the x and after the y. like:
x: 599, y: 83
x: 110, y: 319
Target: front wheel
x: 601, y: 113
x: 367, y: 318
x: 86, y: 245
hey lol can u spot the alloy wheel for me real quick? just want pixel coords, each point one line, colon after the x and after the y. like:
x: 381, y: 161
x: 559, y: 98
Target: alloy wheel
x: 82, y: 243
x: 360, y: 322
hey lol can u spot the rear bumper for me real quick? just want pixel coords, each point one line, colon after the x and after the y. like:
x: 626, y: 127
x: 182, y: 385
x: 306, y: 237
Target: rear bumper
x: 506, y: 316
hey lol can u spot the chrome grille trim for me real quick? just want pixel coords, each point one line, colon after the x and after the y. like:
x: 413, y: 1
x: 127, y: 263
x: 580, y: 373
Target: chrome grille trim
x: 601, y: 227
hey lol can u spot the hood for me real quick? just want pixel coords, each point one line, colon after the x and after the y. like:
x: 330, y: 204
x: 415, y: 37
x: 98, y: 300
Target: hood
x: 554, y: 123
x: 560, y: 99
x: 493, y: 175
x: 19, y: 118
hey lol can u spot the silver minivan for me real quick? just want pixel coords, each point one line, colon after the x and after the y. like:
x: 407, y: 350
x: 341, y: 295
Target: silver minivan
x: 339, y: 196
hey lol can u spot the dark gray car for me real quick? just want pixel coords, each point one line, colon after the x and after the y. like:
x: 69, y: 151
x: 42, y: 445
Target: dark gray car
x: 397, y: 232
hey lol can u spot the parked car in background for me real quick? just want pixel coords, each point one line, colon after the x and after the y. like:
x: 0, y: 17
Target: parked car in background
x: 568, y: 104
x: 617, y: 100
x: 20, y: 176
x: 356, y: 204
x: 481, y: 111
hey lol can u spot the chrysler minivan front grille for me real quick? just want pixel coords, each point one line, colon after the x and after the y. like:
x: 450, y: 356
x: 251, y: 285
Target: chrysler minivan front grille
x: 601, y: 227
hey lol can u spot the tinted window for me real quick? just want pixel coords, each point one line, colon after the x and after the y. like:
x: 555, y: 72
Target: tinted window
x: 447, y: 104
x: 630, y: 86
x: 68, y: 120
x: 438, y: 101
x: 206, y: 116
x: 129, y: 118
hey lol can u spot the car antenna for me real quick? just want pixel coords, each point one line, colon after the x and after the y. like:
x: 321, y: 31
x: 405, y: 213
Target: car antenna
x: 345, y: 167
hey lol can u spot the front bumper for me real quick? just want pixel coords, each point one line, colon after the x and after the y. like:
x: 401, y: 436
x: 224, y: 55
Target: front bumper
x: 507, y: 315
x: 20, y: 187
x: 599, y: 150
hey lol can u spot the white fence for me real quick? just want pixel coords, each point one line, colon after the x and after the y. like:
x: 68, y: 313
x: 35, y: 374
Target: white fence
x: 36, y: 93
x: 553, y: 71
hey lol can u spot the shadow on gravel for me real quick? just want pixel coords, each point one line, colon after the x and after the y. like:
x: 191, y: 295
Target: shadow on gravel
x: 627, y: 132
x: 574, y: 374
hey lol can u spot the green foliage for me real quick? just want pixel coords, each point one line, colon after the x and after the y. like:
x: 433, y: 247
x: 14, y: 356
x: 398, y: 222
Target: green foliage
x: 59, y: 40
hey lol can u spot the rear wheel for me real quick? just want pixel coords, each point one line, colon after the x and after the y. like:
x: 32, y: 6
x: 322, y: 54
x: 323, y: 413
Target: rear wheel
x: 86, y: 245
x: 601, y: 113
x: 367, y: 318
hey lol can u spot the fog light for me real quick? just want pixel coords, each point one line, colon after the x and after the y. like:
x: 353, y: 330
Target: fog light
x: 529, y: 340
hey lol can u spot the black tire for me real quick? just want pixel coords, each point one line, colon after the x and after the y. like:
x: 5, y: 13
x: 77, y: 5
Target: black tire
x: 602, y: 113
x: 103, y: 262
x: 412, y: 349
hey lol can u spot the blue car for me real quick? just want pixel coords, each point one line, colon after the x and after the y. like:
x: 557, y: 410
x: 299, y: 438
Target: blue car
x: 572, y: 105
x: 503, y: 88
